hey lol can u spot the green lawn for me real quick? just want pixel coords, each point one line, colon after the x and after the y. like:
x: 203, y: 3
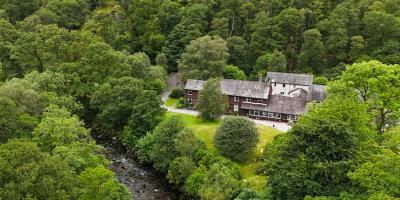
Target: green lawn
x: 205, y: 131
x: 171, y: 102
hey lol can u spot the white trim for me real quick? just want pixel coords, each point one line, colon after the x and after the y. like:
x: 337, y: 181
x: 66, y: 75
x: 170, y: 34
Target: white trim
x: 236, y: 98
x: 235, y: 108
x: 248, y: 99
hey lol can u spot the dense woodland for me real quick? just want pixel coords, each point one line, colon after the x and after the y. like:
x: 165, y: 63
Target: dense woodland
x: 74, y: 69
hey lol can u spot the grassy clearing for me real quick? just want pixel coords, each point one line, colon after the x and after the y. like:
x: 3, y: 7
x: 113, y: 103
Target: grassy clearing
x: 171, y: 102
x: 205, y: 131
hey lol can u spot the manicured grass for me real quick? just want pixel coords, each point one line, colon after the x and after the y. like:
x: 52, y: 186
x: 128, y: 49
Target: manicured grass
x: 171, y: 102
x: 205, y: 131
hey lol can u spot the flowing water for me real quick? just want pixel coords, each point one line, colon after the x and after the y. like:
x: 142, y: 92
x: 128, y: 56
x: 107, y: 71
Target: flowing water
x: 143, y: 182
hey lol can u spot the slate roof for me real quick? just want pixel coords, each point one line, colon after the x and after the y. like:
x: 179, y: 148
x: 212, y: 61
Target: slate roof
x: 287, y: 105
x: 280, y: 104
x: 253, y: 89
x: 296, y: 79
x: 192, y: 84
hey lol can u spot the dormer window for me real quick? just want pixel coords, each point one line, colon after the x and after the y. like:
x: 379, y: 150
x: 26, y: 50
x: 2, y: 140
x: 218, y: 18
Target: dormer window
x: 190, y: 92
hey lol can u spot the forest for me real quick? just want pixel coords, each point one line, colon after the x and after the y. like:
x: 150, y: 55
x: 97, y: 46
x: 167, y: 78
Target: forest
x: 75, y: 70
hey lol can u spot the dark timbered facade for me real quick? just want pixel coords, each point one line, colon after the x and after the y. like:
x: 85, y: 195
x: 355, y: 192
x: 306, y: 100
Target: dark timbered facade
x: 281, y: 97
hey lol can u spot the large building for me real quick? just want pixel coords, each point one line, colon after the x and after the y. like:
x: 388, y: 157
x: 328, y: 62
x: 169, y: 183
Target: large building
x: 280, y: 97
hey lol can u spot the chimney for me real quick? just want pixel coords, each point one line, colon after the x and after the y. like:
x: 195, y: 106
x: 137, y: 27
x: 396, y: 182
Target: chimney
x: 260, y: 78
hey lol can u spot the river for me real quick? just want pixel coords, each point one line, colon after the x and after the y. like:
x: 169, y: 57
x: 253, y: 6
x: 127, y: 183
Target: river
x: 142, y: 181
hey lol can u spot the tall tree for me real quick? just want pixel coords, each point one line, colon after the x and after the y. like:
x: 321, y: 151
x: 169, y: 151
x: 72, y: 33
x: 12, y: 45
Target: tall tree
x: 318, y: 152
x: 377, y: 84
x: 312, y: 54
x: 277, y: 62
x: 204, y: 58
x: 211, y: 103
x: 238, y: 53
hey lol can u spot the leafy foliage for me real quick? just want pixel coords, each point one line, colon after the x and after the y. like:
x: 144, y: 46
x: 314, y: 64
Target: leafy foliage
x: 204, y: 58
x: 211, y: 102
x: 236, y: 138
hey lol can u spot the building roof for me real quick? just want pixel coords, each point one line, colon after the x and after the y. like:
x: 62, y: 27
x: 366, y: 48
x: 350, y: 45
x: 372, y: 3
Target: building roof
x: 192, y: 84
x: 254, y: 106
x: 253, y: 89
x: 296, y: 79
x: 280, y: 104
x: 287, y: 105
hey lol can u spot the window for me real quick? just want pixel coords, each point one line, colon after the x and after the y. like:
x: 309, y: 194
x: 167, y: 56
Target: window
x: 270, y: 115
x: 257, y: 113
x: 293, y: 117
x: 190, y: 100
x: 278, y: 115
x: 235, y: 98
x: 248, y: 99
x: 265, y: 114
x: 190, y: 92
x: 235, y: 108
x: 284, y: 85
x: 274, y: 84
x: 259, y: 101
x: 282, y: 92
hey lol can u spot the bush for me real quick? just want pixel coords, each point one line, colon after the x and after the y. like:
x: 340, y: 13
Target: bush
x: 236, y: 138
x: 179, y: 169
x: 176, y: 93
x: 182, y: 103
x: 321, y: 80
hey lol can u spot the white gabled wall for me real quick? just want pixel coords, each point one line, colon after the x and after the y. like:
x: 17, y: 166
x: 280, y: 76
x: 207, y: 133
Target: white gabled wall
x: 278, y: 89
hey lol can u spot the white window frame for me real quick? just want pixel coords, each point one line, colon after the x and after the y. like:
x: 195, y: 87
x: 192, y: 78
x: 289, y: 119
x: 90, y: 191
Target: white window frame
x: 265, y: 113
x: 278, y: 116
x: 235, y: 108
x: 190, y: 92
x: 256, y: 111
x: 190, y: 100
x: 236, y: 98
x: 248, y: 99
x: 282, y: 92
x: 270, y: 115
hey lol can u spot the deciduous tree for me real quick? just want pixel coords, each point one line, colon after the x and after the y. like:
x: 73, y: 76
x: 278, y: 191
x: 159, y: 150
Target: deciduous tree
x: 211, y: 103
x: 204, y: 58
x: 236, y: 138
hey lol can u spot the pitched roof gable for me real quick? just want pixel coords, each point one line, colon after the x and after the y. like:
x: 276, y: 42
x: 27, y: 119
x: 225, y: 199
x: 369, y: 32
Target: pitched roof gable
x: 296, y: 79
x: 252, y: 89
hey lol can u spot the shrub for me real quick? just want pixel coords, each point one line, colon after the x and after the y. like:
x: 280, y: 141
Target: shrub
x: 236, y: 138
x: 321, y: 80
x: 176, y: 93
